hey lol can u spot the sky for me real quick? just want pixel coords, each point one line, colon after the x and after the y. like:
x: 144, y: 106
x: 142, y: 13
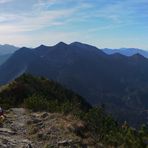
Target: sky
x: 103, y: 23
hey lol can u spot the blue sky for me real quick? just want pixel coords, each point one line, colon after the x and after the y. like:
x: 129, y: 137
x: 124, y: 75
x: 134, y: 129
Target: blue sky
x: 104, y: 23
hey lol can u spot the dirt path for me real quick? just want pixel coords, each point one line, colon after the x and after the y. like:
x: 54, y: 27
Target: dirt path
x: 13, y: 134
x: 26, y: 129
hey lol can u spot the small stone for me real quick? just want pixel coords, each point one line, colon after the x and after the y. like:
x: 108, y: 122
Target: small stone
x: 65, y: 142
x: 44, y: 115
x: 25, y: 141
x: 40, y: 135
x: 6, y: 130
x: 29, y: 146
x: 36, y: 121
x: 4, y: 141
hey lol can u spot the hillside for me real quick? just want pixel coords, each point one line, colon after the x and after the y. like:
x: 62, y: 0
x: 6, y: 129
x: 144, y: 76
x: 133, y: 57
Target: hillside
x: 4, y: 58
x: 42, y: 130
x: 7, y: 49
x: 23, y: 128
x: 53, y: 116
x: 117, y: 81
x: 51, y: 95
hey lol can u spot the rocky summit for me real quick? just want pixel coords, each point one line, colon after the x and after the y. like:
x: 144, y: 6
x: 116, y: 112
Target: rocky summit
x: 25, y: 129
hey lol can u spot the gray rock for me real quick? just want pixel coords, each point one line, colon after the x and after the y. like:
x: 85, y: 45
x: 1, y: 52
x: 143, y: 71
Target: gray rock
x: 6, y: 131
x: 44, y: 115
x: 65, y: 143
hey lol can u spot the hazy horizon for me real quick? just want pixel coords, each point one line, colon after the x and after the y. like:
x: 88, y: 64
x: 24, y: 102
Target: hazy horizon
x: 102, y: 23
x: 70, y: 43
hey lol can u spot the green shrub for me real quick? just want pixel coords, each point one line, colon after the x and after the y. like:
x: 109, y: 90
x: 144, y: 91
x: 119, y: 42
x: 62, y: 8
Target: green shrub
x: 36, y: 103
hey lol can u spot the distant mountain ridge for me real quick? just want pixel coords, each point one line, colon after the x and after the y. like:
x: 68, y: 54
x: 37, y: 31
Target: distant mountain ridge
x: 118, y: 81
x: 126, y: 51
x: 4, y: 58
x: 7, y: 49
x: 5, y: 52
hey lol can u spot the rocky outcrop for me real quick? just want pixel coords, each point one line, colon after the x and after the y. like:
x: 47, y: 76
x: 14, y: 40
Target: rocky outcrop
x: 13, y: 133
x: 26, y: 129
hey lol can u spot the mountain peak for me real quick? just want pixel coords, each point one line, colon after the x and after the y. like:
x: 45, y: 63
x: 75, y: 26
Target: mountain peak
x: 118, y: 55
x: 76, y: 43
x: 83, y: 45
x: 61, y: 44
x: 138, y: 56
x: 79, y: 44
x: 7, y: 49
x: 41, y: 46
x: 24, y: 48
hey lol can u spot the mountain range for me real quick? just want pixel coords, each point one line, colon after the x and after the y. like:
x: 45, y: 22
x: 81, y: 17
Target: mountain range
x: 7, y: 49
x: 117, y: 81
x: 5, y: 52
x: 4, y: 58
x: 126, y: 51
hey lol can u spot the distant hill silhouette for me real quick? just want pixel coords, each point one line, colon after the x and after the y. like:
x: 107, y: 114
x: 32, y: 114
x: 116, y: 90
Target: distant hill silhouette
x: 5, y: 52
x: 126, y: 51
x: 7, y: 49
x: 4, y: 58
x: 118, y: 81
